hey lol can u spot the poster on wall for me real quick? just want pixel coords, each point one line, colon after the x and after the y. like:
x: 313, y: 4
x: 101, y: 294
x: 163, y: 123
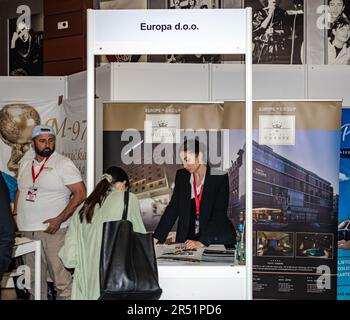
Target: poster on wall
x: 337, y: 32
x: 25, y: 46
x: 123, y: 4
x: 150, y: 152
x: 193, y: 4
x: 295, y: 192
x: 17, y: 120
x: 344, y: 212
x: 278, y: 31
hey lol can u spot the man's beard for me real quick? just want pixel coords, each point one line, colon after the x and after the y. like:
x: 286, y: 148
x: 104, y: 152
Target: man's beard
x: 47, y: 152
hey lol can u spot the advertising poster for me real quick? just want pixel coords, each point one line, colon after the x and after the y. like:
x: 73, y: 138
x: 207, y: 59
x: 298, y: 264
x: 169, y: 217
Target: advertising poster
x: 26, y: 46
x: 344, y: 212
x: 295, y: 186
x: 278, y: 31
x: 337, y: 32
x: 149, y: 152
x: 295, y: 192
x: 17, y: 120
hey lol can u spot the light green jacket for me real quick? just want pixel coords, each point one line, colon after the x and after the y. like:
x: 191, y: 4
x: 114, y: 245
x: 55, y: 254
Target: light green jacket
x: 82, y: 246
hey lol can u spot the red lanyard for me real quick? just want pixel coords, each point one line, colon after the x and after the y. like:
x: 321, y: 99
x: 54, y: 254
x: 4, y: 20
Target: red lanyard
x: 35, y: 176
x: 197, y: 198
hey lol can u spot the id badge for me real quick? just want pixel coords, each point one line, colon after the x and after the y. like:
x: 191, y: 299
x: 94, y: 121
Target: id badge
x: 31, y: 195
x: 197, y: 226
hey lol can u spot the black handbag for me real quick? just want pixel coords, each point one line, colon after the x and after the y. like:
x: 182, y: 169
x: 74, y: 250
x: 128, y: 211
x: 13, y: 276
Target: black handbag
x: 128, y: 265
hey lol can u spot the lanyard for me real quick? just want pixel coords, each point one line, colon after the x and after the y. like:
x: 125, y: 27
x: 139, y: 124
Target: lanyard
x: 197, y: 198
x: 35, y: 176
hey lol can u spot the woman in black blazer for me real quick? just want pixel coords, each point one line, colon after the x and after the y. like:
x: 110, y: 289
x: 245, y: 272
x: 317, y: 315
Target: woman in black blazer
x: 199, y: 202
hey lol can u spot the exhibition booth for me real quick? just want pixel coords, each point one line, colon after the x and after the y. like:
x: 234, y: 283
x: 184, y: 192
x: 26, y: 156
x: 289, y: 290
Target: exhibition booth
x: 270, y: 181
x: 118, y: 82
x: 194, y: 32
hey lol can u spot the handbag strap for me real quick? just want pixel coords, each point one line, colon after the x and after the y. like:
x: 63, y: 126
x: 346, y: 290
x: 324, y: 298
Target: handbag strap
x: 126, y: 205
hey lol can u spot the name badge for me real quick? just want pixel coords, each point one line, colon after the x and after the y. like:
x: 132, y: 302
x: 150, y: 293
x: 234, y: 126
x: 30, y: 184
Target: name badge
x: 31, y: 195
x: 197, y: 226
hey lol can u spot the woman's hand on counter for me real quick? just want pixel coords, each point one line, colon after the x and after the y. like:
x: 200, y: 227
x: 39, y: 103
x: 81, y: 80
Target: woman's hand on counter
x: 192, y: 244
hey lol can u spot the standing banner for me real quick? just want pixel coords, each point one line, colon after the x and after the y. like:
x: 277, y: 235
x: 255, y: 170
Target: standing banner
x: 344, y: 213
x: 295, y: 171
x: 144, y: 139
x: 295, y: 192
x: 17, y: 119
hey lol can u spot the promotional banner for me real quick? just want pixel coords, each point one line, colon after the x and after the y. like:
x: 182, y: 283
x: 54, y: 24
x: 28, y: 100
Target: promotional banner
x: 295, y: 172
x: 17, y: 119
x: 295, y: 192
x: 144, y: 139
x: 344, y: 213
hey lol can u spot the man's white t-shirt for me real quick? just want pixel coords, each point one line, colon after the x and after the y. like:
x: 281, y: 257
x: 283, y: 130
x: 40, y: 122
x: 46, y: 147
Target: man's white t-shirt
x: 52, y: 195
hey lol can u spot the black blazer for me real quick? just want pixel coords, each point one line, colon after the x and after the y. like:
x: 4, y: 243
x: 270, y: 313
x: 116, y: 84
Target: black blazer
x: 214, y: 225
x: 7, y: 228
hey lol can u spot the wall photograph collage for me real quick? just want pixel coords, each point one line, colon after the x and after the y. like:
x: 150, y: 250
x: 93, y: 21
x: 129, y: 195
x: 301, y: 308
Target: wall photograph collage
x: 284, y: 31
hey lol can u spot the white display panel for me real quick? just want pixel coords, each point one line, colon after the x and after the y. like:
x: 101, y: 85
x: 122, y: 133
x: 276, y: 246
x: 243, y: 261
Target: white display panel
x: 279, y: 82
x: 329, y: 82
x: 202, y: 282
x: 160, y: 82
x: 32, y: 88
x: 76, y: 83
x: 269, y: 82
x: 196, y: 31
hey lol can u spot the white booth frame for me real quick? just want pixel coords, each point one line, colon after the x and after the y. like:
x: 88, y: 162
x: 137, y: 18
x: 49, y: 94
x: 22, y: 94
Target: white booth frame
x: 137, y: 47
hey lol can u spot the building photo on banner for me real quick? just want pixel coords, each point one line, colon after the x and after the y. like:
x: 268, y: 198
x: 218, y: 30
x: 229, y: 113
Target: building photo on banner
x: 17, y: 120
x: 295, y: 192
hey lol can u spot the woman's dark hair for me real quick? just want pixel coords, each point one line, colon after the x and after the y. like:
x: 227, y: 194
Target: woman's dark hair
x: 99, y: 194
x: 337, y: 24
x: 194, y: 146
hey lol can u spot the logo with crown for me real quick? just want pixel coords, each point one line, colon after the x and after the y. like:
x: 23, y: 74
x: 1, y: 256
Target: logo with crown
x: 162, y: 123
x: 276, y: 124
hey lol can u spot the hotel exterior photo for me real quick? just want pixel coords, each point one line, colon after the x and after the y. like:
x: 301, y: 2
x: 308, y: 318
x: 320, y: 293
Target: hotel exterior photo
x: 283, y: 191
